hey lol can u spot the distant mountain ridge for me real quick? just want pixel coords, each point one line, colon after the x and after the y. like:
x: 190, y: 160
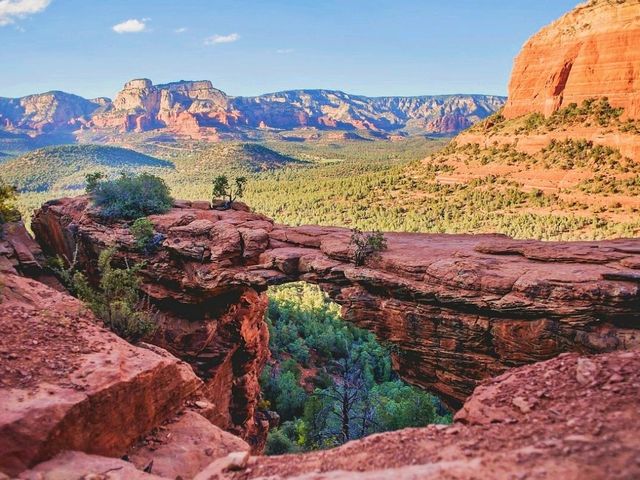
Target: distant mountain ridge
x: 197, y: 110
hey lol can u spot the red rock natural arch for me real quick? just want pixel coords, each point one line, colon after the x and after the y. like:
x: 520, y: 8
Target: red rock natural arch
x: 459, y: 308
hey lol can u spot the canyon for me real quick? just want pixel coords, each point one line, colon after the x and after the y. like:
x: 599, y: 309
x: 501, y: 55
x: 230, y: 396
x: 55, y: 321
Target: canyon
x: 458, y: 309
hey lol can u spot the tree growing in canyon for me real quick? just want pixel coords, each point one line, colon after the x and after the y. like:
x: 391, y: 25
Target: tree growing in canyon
x: 355, y: 392
x: 229, y: 193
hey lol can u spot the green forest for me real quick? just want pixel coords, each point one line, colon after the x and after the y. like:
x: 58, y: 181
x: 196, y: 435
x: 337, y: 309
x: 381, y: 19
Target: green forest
x: 329, y: 381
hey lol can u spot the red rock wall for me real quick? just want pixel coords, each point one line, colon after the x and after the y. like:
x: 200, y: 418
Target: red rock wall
x: 593, y: 51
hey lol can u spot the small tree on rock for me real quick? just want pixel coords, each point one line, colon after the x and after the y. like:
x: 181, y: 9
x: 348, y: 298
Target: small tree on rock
x: 366, y: 244
x: 223, y: 189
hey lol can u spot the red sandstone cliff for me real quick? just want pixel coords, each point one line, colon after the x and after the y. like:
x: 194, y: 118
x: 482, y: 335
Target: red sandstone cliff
x: 591, y: 52
x: 195, y: 109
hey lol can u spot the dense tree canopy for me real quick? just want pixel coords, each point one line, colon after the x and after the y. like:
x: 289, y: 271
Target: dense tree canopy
x: 329, y: 381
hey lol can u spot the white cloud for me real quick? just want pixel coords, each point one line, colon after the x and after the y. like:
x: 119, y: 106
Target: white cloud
x: 285, y: 51
x: 217, y: 39
x: 130, y: 26
x: 10, y: 10
x: 180, y: 30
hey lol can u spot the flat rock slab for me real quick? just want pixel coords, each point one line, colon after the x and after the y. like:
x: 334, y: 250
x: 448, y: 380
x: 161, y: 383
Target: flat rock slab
x: 185, y: 446
x: 78, y: 465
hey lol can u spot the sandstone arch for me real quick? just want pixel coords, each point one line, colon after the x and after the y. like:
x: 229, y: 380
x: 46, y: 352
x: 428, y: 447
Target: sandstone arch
x: 460, y: 308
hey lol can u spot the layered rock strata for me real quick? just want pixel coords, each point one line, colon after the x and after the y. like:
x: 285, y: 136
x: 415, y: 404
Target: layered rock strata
x: 197, y: 110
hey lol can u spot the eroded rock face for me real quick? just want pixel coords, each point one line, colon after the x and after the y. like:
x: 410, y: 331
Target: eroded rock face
x: 592, y: 52
x: 68, y: 385
x: 180, y: 107
x: 460, y: 308
x: 197, y: 110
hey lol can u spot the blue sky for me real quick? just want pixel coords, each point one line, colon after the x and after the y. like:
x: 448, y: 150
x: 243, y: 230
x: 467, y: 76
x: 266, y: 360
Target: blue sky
x: 248, y: 47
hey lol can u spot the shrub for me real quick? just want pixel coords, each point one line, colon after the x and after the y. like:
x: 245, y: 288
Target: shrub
x: 117, y: 300
x: 366, y: 244
x: 534, y: 121
x: 147, y: 240
x: 129, y: 196
x: 278, y: 443
x: 227, y: 192
x: 8, y: 195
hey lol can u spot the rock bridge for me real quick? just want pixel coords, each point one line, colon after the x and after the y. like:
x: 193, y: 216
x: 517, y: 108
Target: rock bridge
x: 458, y: 308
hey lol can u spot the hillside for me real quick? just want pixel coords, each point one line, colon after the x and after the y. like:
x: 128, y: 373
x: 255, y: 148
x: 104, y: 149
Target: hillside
x: 554, y: 165
x: 64, y: 167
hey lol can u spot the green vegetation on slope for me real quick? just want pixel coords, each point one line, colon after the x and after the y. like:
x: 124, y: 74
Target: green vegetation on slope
x: 195, y: 158
x: 593, y: 112
x: 383, y: 185
x: 64, y: 167
x: 329, y: 381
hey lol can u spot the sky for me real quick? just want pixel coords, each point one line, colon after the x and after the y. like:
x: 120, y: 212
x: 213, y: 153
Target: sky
x: 248, y: 47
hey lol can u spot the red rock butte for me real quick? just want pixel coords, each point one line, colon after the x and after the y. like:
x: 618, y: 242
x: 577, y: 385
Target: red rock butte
x: 591, y: 52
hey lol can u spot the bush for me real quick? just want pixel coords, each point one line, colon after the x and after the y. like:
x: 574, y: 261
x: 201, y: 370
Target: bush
x: 534, y: 121
x: 117, y: 301
x: 129, y: 196
x: 278, y: 443
x: 8, y: 195
x: 146, y: 238
x: 366, y: 244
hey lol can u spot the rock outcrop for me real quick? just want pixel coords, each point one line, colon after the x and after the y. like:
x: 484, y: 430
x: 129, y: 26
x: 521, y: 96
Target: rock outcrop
x: 592, y: 52
x: 67, y: 383
x: 73, y: 390
x: 459, y: 308
x: 180, y: 107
